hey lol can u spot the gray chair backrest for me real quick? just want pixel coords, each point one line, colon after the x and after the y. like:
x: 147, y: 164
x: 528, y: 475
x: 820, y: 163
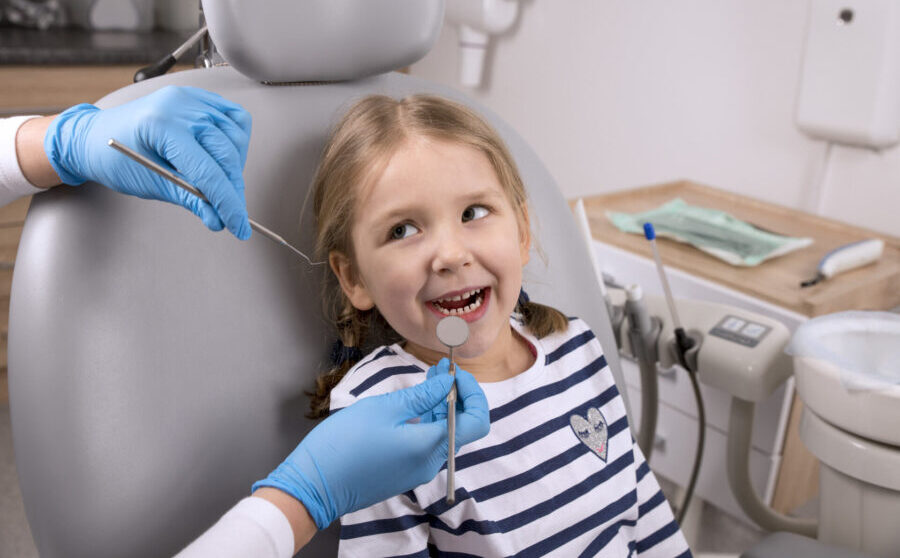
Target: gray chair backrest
x: 322, y: 40
x: 158, y: 369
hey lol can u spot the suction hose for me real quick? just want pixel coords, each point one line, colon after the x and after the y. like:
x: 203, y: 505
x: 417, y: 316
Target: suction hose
x: 643, y: 333
x: 740, y: 425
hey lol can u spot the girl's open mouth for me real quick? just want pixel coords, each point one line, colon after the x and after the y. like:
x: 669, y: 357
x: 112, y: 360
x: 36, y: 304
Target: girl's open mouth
x: 469, y: 305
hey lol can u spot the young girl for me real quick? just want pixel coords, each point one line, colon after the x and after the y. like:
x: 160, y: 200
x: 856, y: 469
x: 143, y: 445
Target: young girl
x: 422, y: 214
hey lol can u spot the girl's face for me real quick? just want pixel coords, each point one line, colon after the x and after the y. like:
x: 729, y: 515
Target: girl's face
x: 435, y: 235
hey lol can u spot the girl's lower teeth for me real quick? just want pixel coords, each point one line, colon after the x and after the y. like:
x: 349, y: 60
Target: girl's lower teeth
x: 465, y: 310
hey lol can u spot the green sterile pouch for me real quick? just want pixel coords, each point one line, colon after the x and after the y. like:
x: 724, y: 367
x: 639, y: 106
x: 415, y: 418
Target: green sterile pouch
x: 713, y: 231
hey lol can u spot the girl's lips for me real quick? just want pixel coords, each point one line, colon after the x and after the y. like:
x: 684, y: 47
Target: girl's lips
x: 469, y: 316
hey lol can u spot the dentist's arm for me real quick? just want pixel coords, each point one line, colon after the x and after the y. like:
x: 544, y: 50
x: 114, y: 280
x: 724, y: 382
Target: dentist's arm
x: 30, y: 150
x: 361, y: 455
x: 199, y: 134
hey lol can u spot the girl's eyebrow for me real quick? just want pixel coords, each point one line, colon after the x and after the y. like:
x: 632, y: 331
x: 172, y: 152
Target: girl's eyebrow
x: 398, y: 213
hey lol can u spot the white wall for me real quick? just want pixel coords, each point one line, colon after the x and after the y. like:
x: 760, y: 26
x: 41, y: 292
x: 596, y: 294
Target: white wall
x: 616, y: 94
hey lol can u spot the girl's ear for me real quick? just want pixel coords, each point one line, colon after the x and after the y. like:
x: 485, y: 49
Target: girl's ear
x: 524, y: 236
x: 351, y: 284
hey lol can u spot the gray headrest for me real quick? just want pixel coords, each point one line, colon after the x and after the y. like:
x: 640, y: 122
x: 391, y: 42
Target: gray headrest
x: 322, y: 40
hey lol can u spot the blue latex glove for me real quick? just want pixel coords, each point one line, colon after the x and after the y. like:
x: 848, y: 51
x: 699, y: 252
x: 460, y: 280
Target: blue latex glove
x: 369, y: 451
x: 201, y: 135
x: 439, y: 411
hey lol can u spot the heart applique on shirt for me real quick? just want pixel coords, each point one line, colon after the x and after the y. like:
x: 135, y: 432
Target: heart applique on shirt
x: 592, y: 431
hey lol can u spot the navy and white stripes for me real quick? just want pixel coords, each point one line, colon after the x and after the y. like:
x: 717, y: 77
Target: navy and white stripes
x: 541, y: 483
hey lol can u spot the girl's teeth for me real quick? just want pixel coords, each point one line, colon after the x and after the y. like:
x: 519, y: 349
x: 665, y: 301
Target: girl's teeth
x: 457, y: 311
x: 459, y: 297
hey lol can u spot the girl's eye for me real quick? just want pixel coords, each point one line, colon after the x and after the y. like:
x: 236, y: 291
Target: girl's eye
x: 402, y: 231
x: 474, y: 212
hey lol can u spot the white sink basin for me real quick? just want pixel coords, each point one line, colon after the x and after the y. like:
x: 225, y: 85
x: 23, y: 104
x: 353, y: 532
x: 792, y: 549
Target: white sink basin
x: 847, y: 372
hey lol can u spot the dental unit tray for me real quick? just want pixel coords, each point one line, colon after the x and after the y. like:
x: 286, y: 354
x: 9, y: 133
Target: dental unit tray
x: 713, y: 231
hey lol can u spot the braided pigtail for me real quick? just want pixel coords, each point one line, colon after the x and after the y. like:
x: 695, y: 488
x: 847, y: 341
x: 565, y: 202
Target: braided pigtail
x: 541, y: 320
x: 345, y: 353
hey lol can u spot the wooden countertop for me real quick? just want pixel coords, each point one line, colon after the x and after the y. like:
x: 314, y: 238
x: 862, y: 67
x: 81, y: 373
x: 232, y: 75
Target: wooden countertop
x: 874, y: 287
x: 51, y: 89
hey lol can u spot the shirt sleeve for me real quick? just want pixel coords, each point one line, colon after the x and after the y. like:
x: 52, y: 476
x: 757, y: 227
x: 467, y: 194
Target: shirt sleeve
x: 13, y: 184
x: 253, y: 527
x: 395, y: 527
x: 657, y: 534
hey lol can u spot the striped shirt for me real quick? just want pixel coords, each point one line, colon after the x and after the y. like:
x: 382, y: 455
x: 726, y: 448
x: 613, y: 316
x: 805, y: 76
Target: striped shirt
x: 559, y: 473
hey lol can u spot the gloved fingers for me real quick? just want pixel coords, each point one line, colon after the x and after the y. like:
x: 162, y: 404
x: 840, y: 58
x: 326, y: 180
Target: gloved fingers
x: 238, y: 137
x: 418, y: 400
x: 474, y: 422
x: 442, y: 367
x: 200, y: 208
x: 221, y: 148
x: 227, y: 198
x: 201, y: 169
x: 209, y: 216
x: 214, y: 100
x: 439, y: 412
x: 233, y: 111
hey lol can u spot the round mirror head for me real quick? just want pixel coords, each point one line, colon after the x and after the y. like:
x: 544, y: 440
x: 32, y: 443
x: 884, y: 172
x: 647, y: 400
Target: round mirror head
x: 452, y: 331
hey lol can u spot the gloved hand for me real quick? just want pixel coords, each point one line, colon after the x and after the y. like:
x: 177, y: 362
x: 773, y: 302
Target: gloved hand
x: 369, y: 451
x: 201, y: 135
x: 439, y: 411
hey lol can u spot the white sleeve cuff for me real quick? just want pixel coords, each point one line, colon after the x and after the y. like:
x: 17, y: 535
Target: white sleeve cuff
x: 13, y: 183
x: 253, y: 527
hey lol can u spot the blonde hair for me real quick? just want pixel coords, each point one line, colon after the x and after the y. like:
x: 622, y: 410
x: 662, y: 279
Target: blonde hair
x: 364, y: 140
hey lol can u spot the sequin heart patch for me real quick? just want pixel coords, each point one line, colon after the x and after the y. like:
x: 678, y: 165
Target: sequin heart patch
x: 592, y: 431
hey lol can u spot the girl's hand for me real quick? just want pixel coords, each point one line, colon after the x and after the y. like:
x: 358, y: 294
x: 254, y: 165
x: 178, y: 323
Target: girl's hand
x: 379, y: 447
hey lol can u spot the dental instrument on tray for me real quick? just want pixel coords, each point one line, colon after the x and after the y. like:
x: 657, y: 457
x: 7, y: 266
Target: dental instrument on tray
x: 452, y: 331
x: 683, y: 345
x: 180, y: 182
x: 847, y: 257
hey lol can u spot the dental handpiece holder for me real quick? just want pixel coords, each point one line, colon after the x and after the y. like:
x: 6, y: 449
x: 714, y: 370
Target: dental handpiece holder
x: 741, y: 353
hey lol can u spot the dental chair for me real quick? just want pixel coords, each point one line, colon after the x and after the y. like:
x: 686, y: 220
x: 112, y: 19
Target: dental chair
x: 157, y: 369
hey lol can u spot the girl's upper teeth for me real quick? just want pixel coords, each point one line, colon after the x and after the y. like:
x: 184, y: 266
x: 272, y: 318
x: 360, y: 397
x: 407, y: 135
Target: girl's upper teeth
x: 459, y: 297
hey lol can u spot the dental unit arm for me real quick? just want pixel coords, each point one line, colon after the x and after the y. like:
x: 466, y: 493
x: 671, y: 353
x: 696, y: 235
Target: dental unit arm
x: 737, y: 351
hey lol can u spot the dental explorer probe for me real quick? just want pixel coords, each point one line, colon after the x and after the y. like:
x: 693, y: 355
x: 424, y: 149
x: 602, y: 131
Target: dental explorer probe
x: 180, y: 182
x: 452, y: 331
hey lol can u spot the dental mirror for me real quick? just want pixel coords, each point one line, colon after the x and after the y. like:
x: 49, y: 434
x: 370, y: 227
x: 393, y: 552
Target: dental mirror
x: 452, y: 331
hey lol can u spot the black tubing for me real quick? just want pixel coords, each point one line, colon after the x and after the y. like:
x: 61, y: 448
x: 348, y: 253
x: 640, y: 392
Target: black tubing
x: 684, y: 344
x: 701, y: 441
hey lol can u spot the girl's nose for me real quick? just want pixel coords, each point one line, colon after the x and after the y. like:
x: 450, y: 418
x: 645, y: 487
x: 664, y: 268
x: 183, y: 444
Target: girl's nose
x: 450, y: 254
